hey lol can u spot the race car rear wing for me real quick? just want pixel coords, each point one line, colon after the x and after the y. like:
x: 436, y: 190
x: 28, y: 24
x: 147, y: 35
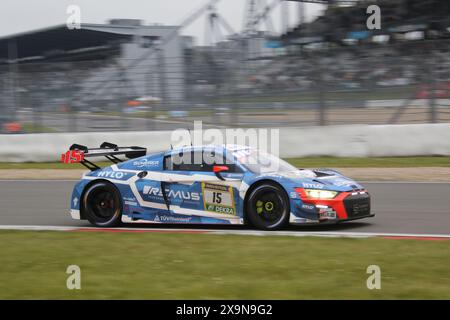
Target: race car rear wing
x: 78, y: 153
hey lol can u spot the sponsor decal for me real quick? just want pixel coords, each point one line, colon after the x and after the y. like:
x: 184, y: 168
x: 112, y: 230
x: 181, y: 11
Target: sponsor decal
x: 327, y: 213
x: 293, y: 195
x: 146, y: 163
x: 341, y: 183
x: 218, y: 198
x: 303, y: 220
x: 233, y: 175
x: 165, y: 218
x: 299, y: 174
x: 308, y: 206
x: 111, y: 174
x: 75, y: 201
x: 311, y: 185
x: 175, y: 194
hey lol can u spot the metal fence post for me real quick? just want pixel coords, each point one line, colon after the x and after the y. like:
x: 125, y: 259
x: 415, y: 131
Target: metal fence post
x: 72, y: 114
x: 124, y: 89
x: 12, y: 57
x: 162, y: 80
x: 432, y: 94
x: 321, y: 96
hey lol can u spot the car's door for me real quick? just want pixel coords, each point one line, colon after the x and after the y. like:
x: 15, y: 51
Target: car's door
x: 195, y: 189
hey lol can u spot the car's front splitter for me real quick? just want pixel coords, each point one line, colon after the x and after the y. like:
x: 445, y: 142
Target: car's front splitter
x: 306, y: 222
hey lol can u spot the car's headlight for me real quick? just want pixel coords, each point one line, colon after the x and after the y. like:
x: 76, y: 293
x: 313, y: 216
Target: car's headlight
x: 320, y: 194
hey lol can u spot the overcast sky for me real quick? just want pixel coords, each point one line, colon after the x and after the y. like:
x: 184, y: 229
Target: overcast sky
x: 25, y: 15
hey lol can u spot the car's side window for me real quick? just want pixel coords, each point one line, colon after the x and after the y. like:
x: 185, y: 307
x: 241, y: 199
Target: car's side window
x: 167, y: 165
x: 178, y: 162
x: 182, y: 162
x: 189, y: 162
x: 211, y: 159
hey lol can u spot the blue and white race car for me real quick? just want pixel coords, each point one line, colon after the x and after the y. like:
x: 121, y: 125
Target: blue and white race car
x: 209, y: 185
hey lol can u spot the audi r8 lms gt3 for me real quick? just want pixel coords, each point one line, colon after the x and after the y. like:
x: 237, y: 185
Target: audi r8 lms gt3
x: 209, y: 185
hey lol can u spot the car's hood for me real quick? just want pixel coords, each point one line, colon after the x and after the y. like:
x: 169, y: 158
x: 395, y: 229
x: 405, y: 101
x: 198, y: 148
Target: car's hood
x: 320, y: 179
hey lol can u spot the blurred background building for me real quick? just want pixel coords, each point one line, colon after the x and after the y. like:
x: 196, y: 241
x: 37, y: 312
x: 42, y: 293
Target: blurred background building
x: 125, y: 75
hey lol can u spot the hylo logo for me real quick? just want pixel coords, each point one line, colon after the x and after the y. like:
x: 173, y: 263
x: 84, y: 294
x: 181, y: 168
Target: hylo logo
x: 111, y: 174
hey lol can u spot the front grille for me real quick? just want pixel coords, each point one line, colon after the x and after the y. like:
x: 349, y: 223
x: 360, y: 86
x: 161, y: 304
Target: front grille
x: 357, y: 205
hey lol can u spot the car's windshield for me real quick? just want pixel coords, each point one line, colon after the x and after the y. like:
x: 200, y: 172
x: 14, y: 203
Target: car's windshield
x: 261, y: 162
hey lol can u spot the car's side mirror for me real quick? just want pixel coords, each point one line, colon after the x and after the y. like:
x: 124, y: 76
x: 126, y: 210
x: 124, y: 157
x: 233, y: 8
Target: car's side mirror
x: 218, y: 169
x: 142, y: 174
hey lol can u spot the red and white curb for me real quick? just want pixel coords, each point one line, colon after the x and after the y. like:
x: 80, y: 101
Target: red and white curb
x: 324, y: 234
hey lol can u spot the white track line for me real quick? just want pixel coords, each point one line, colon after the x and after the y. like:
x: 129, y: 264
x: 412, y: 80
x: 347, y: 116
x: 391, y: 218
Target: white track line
x: 37, y: 228
x: 234, y: 232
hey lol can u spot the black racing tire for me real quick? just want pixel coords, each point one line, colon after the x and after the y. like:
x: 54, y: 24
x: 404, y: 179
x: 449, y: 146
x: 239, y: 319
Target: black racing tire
x: 102, y: 205
x: 267, y: 207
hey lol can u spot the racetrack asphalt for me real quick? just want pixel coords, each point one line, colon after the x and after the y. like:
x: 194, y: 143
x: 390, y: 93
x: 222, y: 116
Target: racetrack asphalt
x: 419, y: 208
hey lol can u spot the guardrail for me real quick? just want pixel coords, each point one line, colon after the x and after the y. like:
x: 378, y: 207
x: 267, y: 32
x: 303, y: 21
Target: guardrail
x: 338, y: 141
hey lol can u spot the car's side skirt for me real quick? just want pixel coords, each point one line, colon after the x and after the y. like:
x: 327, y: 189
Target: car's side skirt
x: 166, y: 218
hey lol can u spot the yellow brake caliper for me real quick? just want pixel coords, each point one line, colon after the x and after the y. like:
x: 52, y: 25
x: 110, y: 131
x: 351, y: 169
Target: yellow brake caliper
x: 259, y: 207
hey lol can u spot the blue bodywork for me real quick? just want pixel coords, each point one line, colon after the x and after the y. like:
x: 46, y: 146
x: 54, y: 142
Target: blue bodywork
x: 189, y: 192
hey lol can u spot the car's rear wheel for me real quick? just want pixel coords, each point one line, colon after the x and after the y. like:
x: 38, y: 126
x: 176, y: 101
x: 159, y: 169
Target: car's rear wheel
x: 102, y: 205
x: 267, y: 207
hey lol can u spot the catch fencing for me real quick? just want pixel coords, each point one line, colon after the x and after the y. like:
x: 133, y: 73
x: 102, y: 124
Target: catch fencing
x: 404, y: 83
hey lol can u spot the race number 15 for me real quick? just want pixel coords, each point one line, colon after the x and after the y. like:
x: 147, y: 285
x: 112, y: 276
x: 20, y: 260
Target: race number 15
x: 217, y: 197
x: 72, y: 156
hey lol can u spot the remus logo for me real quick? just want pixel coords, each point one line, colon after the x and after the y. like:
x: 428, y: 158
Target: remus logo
x: 176, y: 194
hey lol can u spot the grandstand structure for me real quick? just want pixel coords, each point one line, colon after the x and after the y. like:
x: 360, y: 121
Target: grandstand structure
x: 343, y: 21
x: 337, y: 56
x: 88, y: 68
x: 110, y: 68
x: 412, y: 30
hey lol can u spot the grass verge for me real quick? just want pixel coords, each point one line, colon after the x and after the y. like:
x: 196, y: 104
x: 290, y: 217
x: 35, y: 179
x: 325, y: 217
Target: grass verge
x: 36, y: 128
x: 308, y: 162
x: 381, y: 162
x: 196, y: 266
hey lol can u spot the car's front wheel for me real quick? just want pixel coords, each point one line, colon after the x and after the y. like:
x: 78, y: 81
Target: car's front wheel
x: 102, y: 205
x: 267, y: 207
